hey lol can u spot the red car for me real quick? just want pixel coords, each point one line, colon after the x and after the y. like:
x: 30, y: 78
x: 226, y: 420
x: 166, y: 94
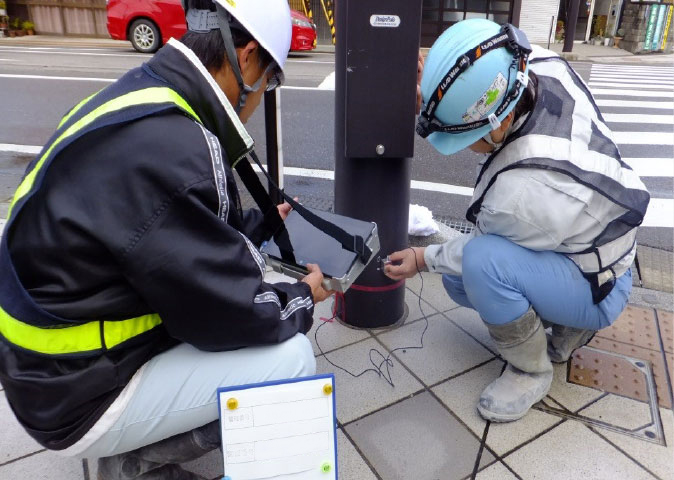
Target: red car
x: 148, y: 24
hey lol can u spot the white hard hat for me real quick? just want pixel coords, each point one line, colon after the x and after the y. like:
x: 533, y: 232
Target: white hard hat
x: 267, y: 21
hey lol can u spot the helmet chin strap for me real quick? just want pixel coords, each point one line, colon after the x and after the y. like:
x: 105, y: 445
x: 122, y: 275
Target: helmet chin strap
x: 223, y: 20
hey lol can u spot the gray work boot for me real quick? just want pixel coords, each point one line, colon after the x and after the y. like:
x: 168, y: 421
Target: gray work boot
x: 159, y: 460
x: 565, y: 340
x: 528, y: 376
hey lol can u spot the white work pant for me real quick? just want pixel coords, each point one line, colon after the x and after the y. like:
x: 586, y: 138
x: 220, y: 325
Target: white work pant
x: 175, y: 392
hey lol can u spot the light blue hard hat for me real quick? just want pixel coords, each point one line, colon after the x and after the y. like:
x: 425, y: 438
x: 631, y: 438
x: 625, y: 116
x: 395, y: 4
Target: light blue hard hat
x: 484, y: 89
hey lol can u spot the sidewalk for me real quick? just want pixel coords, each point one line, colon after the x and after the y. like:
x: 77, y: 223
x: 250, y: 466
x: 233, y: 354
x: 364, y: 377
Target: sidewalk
x: 608, y: 414
x: 581, y: 52
x: 584, y: 52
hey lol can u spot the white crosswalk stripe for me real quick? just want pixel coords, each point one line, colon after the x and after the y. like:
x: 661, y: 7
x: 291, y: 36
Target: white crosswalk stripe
x: 639, y: 99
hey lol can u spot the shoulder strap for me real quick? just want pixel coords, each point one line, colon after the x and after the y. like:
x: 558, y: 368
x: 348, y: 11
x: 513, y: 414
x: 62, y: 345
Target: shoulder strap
x: 352, y: 243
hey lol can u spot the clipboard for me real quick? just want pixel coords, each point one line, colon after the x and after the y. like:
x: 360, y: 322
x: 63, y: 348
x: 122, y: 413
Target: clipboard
x: 279, y: 429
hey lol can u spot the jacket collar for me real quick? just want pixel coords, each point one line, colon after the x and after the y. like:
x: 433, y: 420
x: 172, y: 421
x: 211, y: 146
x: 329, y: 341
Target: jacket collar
x: 182, y: 69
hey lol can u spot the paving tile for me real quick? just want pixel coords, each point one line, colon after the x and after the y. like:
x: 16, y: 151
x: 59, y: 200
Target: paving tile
x: 571, y: 450
x: 608, y: 373
x: 636, y: 326
x: 390, y: 441
x: 657, y: 458
x: 14, y: 441
x: 666, y: 322
x: 656, y: 359
x: 652, y: 298
x: 359, y: 396
x: 351, y: 465
x: 433, y: 291
x: 611, y: 409
x: 44, y: 466
x: 569, y: 395
x: 461, y: 394
x: 414, y: 312
x: 497, y: 471
x: 333, y: 334
x: 208, y: 466
x: 656, y: 267
x: 447, y: 350
x: 470, y: 321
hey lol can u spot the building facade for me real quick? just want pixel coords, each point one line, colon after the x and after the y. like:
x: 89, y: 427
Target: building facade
x: 647, y: 24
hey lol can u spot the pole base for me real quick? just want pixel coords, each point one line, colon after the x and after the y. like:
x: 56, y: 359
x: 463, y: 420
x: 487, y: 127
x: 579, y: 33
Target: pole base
x: 364, y: 321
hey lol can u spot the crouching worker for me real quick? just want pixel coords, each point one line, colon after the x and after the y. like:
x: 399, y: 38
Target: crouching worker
x: 132, y: 287
x: 555, y: 208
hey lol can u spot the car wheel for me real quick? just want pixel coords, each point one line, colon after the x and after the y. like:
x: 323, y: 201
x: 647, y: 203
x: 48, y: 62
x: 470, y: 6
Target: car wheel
x: 145, y: 36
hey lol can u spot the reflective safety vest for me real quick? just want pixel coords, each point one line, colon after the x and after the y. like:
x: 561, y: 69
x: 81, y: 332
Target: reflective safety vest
x: 23, y: 323
x: 566, y: 133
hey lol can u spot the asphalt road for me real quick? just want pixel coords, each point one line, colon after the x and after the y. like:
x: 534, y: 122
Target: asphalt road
x: 38, y: 85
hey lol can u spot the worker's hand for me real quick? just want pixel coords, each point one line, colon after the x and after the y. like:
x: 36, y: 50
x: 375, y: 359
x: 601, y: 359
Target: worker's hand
x: 405, y: 263
x: 284, y: 209
x: 420, y: 71
x: 315, y: 281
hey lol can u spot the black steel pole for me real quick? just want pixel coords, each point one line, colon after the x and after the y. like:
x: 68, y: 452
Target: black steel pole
x: 375, y: 188
x: 271, y: 135
x: 571, y: 20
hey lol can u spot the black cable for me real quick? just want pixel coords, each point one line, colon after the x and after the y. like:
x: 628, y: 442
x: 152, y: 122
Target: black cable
x: 385, y: 359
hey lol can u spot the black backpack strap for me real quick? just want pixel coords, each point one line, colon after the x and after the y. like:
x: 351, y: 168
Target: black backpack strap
x: 351, y: 243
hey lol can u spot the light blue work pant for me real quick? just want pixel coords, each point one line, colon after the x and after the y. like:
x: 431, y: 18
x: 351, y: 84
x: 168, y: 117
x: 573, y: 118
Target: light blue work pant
x: 502, y: 279
x: 177, y: 390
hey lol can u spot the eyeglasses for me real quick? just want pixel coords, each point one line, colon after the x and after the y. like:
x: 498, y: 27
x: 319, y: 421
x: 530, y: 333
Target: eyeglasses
x: 509, y: 37
x: 274, y: 76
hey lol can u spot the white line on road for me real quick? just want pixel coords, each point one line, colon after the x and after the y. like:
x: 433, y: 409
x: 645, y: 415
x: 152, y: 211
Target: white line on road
x: 44, y: 77
x: 29, y: 149
x: 650, y: 85
x: 328, y: 82
x: 310, y: 61
x: 88, y: 54
x: 660, y: 213
x: 110, y: 80
x: 634, y: 104
x: 632, y: 93
x: 290, y: 87
x: 660, y: 210
x: 638, y: 118
x: 638, y: 79
x: 631, y: 68
x: 652, y: 167
x: 644, y: 138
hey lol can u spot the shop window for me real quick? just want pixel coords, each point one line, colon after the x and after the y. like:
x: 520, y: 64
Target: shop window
x: 476, y: 6
x: 453, y: 4
x: 452, y: 16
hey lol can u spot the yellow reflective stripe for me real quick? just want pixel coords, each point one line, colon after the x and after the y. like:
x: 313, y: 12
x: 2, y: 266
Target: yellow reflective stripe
x: 73, y: 339
x: 139, y: 97
x: 75, y: 109
x: 123, y: 330
x: 79, y: 338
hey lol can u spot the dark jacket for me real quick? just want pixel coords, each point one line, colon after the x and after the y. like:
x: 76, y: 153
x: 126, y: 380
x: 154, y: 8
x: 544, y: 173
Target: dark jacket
x: 125, y: 224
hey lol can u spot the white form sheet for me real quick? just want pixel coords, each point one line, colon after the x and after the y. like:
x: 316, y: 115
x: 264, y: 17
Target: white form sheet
x: 279, y: 430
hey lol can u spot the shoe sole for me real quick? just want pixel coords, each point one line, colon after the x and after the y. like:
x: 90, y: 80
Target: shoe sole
x: 502, y: 418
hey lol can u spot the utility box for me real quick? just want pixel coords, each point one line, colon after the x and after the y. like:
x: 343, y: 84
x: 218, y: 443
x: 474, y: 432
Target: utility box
x: 382, y: 45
